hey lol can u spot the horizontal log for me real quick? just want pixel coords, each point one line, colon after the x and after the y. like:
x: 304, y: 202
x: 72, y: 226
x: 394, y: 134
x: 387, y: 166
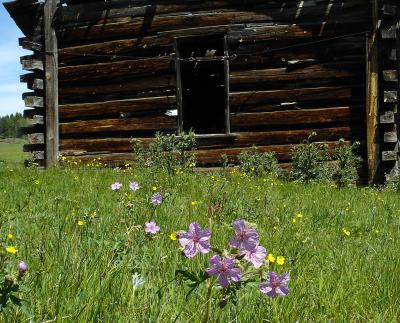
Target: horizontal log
x: 139, y: 25
x: 390, y: 136
x: 306, y: 94
x: 157, y: 123
x: 91, y: 89
x: 389, y: 156
x: 100, y: 10
x: 88, y: 72
x: 204, y: 157
x: 328, y: 71
x: 387, y: 117
x: 32, y: 64
x: 35, y: 138
x: 285, y: 118
x: 112, y: 107
x: 296, y: 31
x: 30, y: 43
x: 35, y: 120
x: 117, y: 47
x: 241, y: 139
x: 282, y: 152
x: 34, y: 101
x: 390, y: 96
x: 390, y: 75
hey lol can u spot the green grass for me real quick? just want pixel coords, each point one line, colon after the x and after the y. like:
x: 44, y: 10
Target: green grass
x: 84, y: 273
x: 11, y: 151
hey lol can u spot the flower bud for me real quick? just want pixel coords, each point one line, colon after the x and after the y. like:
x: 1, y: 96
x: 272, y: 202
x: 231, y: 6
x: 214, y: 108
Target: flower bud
x: 22, y: 268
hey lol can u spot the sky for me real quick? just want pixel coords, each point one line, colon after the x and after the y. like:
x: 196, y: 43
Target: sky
x: 10, y: 68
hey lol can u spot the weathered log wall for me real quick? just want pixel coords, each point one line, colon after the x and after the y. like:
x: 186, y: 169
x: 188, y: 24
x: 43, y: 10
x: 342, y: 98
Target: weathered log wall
x: 390, y: 85
x: 295, y: 67
x: 28, y: 15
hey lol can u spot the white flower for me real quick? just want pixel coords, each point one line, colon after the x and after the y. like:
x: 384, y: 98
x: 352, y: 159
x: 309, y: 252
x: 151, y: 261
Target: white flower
x: 137, y: 281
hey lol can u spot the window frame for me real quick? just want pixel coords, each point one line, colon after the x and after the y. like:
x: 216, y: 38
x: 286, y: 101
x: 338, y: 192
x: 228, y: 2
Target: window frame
x: 179, y: 97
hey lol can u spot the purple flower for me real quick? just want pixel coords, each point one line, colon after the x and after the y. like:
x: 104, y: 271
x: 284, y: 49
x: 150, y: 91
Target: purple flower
x: 134, y: 186
x: 245, y: 238
x: 22, y: 268
x: 156, y: 199
x: 116, y: 186
x: 151, y: 227
x: 256, y: 255
x: 224, y: 269
x: 275, y: 285
x: 195, y: 240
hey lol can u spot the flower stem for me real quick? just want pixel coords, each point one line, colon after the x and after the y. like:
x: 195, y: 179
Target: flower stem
x: 208, y: 304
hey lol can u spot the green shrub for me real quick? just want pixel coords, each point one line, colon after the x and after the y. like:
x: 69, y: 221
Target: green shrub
x: 253, y: 162
x: 310, y: 161
x: 166, y: 151
x: 345, y: 168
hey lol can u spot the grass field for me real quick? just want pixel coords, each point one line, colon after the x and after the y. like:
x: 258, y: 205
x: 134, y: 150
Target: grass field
x: 11, y: 150
x: 82, y: 245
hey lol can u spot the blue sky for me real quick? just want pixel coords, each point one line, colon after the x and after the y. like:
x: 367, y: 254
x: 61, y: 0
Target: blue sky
x: 10, y: 69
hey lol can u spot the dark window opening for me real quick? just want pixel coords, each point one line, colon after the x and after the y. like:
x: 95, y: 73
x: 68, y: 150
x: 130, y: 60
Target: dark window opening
x: 202, y: 83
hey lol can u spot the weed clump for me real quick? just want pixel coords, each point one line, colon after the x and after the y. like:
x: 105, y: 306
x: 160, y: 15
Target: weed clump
x: 167, y: 152
x: 310, y: 161
x: 256, y: 163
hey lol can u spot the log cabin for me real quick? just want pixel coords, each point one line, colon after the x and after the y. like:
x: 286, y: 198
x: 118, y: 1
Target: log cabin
x: 238, y: 72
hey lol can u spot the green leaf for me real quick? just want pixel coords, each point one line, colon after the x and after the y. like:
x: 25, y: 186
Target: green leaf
x: 187, y: 274
x: 15, y: 300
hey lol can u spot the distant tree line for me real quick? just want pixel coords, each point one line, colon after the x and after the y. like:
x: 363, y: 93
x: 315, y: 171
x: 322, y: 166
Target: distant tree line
x: 10, y: 124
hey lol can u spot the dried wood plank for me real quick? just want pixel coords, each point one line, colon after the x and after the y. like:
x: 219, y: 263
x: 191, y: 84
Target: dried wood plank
x: 116, y: 125
x: 111, y: 107
x: 296, y: 117
x: 305, y: 94
x: 114, y: 69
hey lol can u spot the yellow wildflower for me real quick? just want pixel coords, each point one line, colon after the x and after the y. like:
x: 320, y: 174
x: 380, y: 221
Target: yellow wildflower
x: 280, y: 260
x: 12, y: 250
x: 173, y: 236
x: 271, y: 257
x: 10, y: 236
x: 299, y: 215
x: 154, y: 188
x: 81, y: 222
x: 294, y: 220
x: 194, y: 203
x: 346, y: 232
